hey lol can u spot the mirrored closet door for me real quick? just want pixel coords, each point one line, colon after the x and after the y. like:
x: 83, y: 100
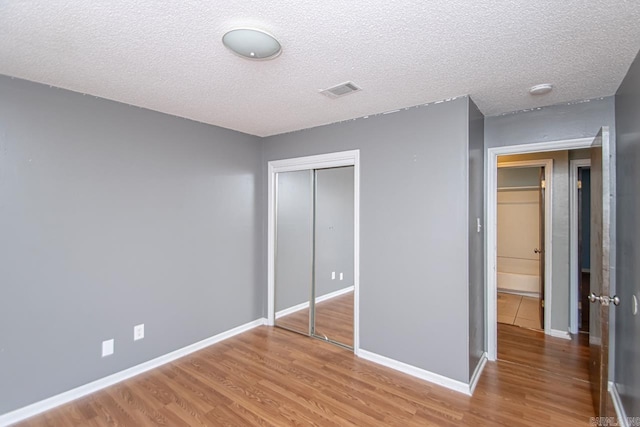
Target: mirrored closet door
x: 294, y: 250
x: 314, y: 256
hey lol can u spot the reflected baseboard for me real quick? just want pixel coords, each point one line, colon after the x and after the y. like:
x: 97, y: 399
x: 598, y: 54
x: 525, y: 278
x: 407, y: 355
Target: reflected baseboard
x: 319, y: 299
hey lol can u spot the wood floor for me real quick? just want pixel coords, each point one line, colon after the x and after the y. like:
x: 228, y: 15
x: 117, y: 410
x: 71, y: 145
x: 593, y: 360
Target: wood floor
x: 532, y: 348
x: 334, y: 319
x: 272, y: 377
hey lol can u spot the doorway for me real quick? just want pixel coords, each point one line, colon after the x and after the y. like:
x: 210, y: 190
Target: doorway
x: 491, y: 236
x: 521, y: 218
x: 602, y: 242
x: 580, y: 218
x: 313, y: 252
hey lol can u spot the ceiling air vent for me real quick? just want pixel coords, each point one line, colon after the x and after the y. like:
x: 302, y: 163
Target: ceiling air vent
x: 340, y: 90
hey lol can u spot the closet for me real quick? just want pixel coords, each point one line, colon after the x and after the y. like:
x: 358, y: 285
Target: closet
x: 314, y: 253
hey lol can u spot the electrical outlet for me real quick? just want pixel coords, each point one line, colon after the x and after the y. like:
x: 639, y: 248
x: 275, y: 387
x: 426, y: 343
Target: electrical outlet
x: 107, y: 347
x: 138, y: 332
x: 341, y: 276
x: 333, y: 275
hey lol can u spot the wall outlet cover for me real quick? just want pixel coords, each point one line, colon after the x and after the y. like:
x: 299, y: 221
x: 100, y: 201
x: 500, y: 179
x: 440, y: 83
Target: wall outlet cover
x: 138, y: 332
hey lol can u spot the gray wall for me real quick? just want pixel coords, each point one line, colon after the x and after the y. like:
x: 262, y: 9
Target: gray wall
x: 627, y: 326
x: 413, y: 247
x: 334, y: 229
x: 476, y: 239
x: 294, y: 239
x: 110, y: 216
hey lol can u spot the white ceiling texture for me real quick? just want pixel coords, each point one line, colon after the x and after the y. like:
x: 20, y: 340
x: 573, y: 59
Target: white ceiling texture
x: 168, y: 56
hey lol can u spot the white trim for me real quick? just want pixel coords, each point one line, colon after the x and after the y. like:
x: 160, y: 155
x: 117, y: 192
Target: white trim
x: 477, y: 373
x: 321, y: 298
x: 565, y: 335
x: 491, y: 225
x: 617, y: 405
x: 574, y: 280
x: 423, y: 374
x: 78, y: 392
x: 330, y: 160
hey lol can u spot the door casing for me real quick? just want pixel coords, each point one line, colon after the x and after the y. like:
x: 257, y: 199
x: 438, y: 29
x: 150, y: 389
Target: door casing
x: 547, y: 164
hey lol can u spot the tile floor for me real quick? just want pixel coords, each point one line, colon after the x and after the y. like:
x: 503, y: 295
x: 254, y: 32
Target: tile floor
x: 519, y: 310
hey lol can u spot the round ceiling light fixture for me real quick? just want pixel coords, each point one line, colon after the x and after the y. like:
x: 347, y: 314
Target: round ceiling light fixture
x: 252, y: 44
x: 541, y: 89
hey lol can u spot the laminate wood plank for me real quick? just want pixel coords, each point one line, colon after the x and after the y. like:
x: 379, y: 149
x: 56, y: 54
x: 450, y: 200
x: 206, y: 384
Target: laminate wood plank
x: 272, y: 377
x: 540, y: 352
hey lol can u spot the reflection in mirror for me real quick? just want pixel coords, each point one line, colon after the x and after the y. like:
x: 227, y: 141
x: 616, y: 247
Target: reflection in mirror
x: 334, y: 255
x: 293, y: 254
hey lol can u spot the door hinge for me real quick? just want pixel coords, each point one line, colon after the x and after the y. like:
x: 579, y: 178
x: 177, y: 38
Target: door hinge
x: 579, y: 185
x: 542, y: 303
x: 543, y: 184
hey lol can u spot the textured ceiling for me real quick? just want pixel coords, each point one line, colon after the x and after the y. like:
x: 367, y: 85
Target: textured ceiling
x: 168, y: 56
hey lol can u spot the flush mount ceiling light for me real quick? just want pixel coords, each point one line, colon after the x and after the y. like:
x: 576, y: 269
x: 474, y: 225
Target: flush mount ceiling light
x: 252, y: 44
x: 541, y: 89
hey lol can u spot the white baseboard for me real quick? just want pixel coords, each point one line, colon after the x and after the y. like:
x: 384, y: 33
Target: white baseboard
x: 560, y: 334
x: 321, y: 298
x: 623, y: 421
x: 477, y: 373
x: 423, y: 374
x: 78, y: 392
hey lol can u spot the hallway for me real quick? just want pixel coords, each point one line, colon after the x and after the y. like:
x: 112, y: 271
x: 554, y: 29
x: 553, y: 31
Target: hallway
x: 534, y: 349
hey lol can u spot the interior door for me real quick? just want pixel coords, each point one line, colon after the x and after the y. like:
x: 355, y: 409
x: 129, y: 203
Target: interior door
x: 601, y: 202
x: 333, y: 290
x: 541, y: 251
x: 293, y: 250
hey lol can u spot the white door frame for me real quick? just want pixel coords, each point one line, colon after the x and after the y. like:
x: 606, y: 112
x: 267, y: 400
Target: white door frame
x: 548, y: 230
x: 574, y: 275
x: 330, y: 160
x: 491, y: 317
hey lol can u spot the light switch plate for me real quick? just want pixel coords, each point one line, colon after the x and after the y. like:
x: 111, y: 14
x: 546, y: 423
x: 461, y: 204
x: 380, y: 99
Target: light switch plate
x: 107, y: 347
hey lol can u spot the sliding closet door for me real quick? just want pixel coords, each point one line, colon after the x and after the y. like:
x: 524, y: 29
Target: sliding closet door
x: 332, y: 318
x: 294, y: 250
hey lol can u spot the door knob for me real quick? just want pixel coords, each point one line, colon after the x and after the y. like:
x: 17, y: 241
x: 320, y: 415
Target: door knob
x: 605, y: 300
